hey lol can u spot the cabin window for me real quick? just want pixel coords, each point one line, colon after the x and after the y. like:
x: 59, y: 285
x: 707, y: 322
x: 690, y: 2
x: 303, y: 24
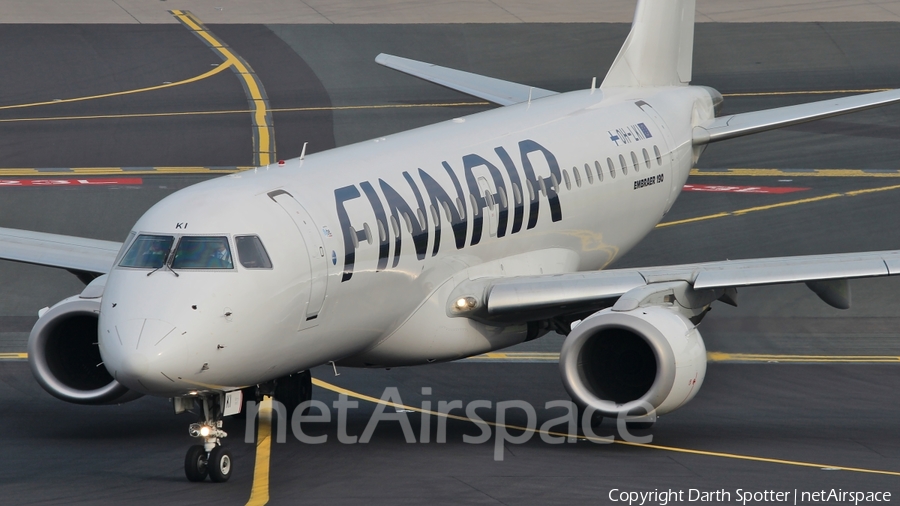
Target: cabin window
x: 530, y: 190
x: 354, y: 238
x: 504, y: 201
x: 612, y: 167
x: 658, y: 155
x: 368, y: 232
x: 517, y: 194
x: 395, y: 227
x: 148, y: 252
x: 566, y: 179
x: 588, y: 174
x: 488, y: 198
x: 555, y: 183
x: 646, y: 158
x: 543, y: 185
x: 421, y: 216
x: 577, y: 176
x: 382, y: 233
x: 599, y: 171
x: 474, y: 202
x: 435, y: 217
x: 634, y: 162
x: 623, y: 165
x: 251, y: 252
x: 194, y: 252
x: 461, y: 207
x: 446, y: 211
x: 408, y: 221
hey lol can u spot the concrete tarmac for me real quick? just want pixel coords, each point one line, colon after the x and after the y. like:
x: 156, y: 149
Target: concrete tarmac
x: 828, y: 415
x: 425, y: 11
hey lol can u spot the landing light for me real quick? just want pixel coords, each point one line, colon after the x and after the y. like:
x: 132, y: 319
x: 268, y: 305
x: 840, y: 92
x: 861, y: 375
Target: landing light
x: 200, y: 430
x: 465, y: 304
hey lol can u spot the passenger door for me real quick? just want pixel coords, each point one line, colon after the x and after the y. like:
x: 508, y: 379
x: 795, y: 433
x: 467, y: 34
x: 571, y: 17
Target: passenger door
x: 315, y: 252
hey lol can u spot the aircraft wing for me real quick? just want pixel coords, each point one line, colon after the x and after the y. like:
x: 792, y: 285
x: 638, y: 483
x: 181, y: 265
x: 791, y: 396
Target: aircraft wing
x: 490, y: 89
x: 519, y: 298
x: 736, y: 125
x: 75, y: 254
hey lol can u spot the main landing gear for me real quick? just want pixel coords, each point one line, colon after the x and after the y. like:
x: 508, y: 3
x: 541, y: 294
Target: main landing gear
x: 210, y: 458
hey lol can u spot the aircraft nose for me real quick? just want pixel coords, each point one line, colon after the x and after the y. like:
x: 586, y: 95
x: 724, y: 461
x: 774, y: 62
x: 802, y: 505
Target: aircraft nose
x: 135, y: 365
x: 135, y: 352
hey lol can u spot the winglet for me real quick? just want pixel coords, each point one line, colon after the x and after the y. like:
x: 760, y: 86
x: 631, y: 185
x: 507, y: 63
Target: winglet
x: 659, y: 49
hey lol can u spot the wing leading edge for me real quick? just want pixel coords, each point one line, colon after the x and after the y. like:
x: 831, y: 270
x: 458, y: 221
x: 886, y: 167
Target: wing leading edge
x: 493, y: 90
x: 511, y: 299
x: 75, y: 254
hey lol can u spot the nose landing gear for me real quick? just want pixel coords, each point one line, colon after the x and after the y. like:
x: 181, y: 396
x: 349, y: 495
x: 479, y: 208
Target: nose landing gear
x: 210, y: 458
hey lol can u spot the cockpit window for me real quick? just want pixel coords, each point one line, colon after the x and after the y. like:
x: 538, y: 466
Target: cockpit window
x: 202, y: 253
x: 251, y: 252
x: 148, y: 252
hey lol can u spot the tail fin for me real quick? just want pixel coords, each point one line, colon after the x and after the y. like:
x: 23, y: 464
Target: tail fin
x: 659, y: 49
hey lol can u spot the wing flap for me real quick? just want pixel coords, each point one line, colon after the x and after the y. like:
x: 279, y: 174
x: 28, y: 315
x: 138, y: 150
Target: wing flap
x: 487, y: 88
x: 54, y: 250
x: 737, y: 125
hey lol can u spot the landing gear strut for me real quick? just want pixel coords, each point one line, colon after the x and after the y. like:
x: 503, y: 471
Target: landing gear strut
x: 210, y: 458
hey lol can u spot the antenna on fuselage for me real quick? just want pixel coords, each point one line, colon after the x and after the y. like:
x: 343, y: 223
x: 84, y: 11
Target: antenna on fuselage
x: 303, y: 151
x: 593, y: 84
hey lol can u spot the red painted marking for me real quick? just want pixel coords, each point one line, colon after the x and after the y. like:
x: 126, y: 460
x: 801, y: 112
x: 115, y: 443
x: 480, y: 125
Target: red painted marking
x: 72, y: 182
x: 741, y: 189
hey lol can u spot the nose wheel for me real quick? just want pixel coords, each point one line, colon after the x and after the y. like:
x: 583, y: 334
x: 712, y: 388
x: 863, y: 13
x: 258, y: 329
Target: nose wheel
x: 195, y: 463
x: 210, y: 458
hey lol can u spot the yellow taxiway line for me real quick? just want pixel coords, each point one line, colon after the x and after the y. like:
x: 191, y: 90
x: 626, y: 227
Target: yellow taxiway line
x: 717, y: 356
x: 734, y: 456
x: 807, y: 92
x: 27, y: 171
x: 219, y: 68
x: 712, y: 356
x: 750, y: 172
x: 241, y: 111
x: 263, y: 128
x: 259, y: 492
x: 741, y: 212
x: 119, y: 171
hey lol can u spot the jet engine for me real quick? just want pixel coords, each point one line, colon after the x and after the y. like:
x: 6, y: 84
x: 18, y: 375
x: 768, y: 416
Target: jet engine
x: 622, y: 363
x: 64, y: 356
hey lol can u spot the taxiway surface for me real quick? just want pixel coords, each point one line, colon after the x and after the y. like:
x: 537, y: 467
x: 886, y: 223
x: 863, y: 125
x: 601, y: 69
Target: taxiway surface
x: 324, y: 88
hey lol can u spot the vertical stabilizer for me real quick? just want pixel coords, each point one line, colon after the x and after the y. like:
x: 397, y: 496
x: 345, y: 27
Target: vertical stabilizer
x: 659, y: 49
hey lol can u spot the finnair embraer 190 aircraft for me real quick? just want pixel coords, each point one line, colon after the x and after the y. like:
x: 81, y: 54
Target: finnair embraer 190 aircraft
x: 430, y: 245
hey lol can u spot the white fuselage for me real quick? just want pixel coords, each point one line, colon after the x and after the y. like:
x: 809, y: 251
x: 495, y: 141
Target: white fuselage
x: 368, y: 241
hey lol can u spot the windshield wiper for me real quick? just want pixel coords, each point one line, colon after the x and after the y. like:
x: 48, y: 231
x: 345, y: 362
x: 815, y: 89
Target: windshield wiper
x: 166, y: 265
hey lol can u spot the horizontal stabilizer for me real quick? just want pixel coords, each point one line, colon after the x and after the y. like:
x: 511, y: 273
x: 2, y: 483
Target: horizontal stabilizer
x: 62, y: 251
x: 736, y: 125
x: 487, y: 88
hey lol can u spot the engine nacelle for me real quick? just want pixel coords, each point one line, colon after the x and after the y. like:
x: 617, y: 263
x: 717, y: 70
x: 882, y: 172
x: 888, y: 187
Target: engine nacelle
x: 65, y: 358
x: 619, y: 361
